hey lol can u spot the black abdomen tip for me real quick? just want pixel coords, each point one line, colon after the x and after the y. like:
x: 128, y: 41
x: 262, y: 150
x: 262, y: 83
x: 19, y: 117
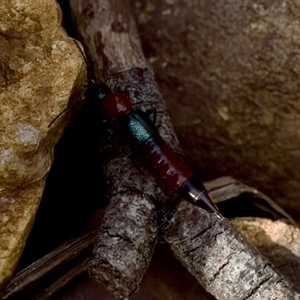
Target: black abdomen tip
x: 194, y: 191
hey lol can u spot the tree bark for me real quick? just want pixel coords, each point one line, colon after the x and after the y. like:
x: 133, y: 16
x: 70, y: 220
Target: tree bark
x: 222, y: 261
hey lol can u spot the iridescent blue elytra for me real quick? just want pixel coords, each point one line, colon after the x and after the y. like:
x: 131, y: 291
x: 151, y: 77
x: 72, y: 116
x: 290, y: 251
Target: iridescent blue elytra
x: 139, y: 126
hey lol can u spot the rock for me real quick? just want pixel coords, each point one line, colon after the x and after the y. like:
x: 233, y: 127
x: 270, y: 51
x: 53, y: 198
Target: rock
x: 230, y: 71
x: 41, y: 76
x: 278, y: 241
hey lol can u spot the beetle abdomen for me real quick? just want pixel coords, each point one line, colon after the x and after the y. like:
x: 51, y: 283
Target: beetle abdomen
x: 165, y: 162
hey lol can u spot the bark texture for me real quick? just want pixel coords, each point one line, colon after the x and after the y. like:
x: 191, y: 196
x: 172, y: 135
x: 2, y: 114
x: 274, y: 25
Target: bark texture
x: 221, y: 260
x: 229, y: 71
x: 40, y: 72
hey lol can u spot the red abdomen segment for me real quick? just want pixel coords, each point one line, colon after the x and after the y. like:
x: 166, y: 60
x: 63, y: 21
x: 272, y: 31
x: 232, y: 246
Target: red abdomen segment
x: 164, y: 160
x: 166, y: 163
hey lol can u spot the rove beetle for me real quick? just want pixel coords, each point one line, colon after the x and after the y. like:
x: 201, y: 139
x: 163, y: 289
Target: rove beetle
x: 160, y: 155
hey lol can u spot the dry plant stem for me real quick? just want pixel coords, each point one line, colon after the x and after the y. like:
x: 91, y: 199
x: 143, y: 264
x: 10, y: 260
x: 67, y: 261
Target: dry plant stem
x: 127, y: 236
x: 63, y: 280
x: 50, y: 262
x: 224, y: 188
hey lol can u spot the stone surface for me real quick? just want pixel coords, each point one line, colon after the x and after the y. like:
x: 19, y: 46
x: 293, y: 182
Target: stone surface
x: 229, y: 71
x: 40, y: 74
x: 278, y: 241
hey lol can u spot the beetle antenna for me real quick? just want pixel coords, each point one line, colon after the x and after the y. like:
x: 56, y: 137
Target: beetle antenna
x: 90, y: 78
